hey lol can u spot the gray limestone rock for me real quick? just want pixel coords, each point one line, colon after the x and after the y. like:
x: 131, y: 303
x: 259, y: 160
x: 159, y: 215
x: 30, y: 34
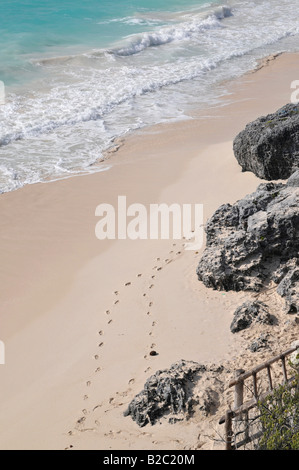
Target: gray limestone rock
x: 255, y: 241
x: 269, y: 146
x: 248, y: 313
x: 176, y: 393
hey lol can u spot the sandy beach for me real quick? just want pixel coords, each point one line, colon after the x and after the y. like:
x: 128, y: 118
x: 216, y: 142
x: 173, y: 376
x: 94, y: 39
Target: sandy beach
x: 79, y: 316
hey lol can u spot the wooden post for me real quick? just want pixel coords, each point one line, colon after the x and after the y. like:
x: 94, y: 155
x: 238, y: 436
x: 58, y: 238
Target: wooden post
x: 228, y: 430
x: 255, y: 392
x: 239, y: 389
x: 284, y: 369
x: 239, y: 393
x: 270, y: 378
x: 246, y: 423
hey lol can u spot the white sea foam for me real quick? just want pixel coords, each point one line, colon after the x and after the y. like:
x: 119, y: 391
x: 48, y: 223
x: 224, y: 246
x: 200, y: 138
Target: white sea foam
x: 178, y: 32
x: 133, y: 21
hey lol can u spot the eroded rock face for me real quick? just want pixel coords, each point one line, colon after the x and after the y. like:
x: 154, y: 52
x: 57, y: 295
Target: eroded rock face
x: 175, y: 392
x: 254, y: 241
x: 248, y: 313
x: 289, y: 289
x: 259, y: 343
x: 269, y: 146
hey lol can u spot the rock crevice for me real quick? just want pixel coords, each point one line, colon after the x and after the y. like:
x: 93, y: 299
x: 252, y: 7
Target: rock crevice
x: 256, y: 241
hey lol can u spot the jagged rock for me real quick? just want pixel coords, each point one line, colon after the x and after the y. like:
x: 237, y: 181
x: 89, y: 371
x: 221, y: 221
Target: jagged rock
x: 165, y: 391
x: 294, y: 358
x: 248, y: 313
x: 269, y: 146
x: 176, y: 392
x: 208, y: 401
x: 294, y: 179
x: 255, y: 241
x: 289, y: 288
x: 260, y: 343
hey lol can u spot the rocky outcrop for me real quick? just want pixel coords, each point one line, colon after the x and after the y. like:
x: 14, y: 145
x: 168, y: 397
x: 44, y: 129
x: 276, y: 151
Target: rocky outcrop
x: 289, y: 289
x: 259, y: 343
x: 254, y: 241
x: 269, y: 146
x: 248, y: 313
x: 176, y: 392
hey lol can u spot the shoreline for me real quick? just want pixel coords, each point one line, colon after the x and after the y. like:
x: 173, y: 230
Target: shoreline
x: 193, y: 114
x: 58, y: 281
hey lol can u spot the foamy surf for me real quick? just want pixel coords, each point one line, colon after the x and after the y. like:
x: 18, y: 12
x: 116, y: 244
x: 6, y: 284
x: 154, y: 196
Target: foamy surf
x: 179, y: 32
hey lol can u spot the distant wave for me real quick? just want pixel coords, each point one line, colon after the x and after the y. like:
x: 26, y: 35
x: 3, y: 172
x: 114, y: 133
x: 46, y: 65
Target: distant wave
x: 133, y: 21
x: 182, y: 31
x: 136, y: 43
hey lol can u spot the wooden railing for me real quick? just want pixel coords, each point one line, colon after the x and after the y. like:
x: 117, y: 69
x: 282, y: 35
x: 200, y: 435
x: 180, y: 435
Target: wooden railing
x: 241, y: 408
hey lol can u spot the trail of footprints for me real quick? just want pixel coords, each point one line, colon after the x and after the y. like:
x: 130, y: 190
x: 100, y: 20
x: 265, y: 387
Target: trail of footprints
x: 160, y: 264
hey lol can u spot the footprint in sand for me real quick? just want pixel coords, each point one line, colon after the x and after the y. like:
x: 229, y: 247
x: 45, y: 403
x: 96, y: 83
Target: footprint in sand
x: 98, y: 370
x: 116, y: 292
x: 81, y: 420
x: 101, y: 332
x: 88, y: 384
x: 101, y: 344
x: 107, y: 312
x: 116, y: 302
x: 139, y: 275
x: 127, y: 284
x: 151, y: 286
x: 109, y: 322
x: 131, y: 381
x: 96, y: 357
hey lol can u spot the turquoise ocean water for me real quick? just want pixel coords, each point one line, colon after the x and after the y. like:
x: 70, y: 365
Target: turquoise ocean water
x: 80, y: 73
x: 46, y: 27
